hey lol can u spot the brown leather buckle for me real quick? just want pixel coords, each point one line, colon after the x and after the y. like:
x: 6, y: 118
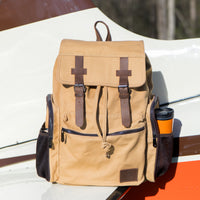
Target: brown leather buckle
x: 80, y: 85
x: 123, y: 86
x: 79, y: 90
x: 124, y: 91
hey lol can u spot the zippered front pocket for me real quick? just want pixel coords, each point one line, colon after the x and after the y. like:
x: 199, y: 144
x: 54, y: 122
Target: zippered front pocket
x: 82, y: 155
x: 65, y: 131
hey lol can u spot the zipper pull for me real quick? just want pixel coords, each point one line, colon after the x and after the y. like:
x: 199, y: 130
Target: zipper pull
x: 50, y: 142
x: 65, y: 140
x: 154, y: 142
x: 62, y: 136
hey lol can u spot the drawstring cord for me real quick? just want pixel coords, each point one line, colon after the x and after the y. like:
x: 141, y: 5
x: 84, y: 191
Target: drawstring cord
x: 107, y: 147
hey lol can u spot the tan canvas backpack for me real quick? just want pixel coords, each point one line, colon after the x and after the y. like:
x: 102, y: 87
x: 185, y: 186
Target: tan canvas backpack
x: 100, y: 127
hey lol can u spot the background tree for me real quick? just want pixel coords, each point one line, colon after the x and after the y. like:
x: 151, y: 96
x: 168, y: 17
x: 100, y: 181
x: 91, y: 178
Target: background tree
x: 163, y: 19
x: 171, y: 19
x: 193, y: 16
x: 161, y: 8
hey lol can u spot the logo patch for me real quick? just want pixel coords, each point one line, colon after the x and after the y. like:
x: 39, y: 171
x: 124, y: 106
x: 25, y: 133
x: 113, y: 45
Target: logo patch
x: 128, y: 175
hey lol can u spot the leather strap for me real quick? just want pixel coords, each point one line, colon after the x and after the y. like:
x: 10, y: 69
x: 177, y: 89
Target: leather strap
x: 124, y: 94
x: 79, y: 90
x: 99, y: 38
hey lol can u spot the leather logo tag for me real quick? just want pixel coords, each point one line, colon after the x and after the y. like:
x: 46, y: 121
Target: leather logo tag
x: 128, y: 175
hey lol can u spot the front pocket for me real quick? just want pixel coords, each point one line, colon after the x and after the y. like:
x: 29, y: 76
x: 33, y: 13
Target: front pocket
x: 83, y: 160
x: 119, y: 138
x: 42, y: 154
x: 65, y: 131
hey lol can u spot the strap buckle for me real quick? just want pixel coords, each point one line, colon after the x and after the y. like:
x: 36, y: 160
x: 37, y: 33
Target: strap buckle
x: 123, y: 86
x: 80, y: 85
x: 124, y: 91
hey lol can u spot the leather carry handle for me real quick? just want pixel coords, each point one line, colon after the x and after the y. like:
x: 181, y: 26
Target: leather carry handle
x: 99, y: 38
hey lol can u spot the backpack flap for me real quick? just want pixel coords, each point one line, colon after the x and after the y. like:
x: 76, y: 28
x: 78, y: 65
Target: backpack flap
x: 102, y: 60
x: 111, y: 64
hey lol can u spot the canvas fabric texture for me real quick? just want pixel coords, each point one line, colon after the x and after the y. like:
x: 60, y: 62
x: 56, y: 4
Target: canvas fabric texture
x: 98, y: 134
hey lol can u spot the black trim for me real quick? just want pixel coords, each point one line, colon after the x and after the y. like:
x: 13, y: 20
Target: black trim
x: 42, y: 154
x: 119, y: 193
x: 96, y: 135
x: 18, y: 143
x: 51, y: 119
x: 78, y: 133
x: 164, y: 113
x: 179, y: 100
x: 126, y: 131
x: 153, y: 121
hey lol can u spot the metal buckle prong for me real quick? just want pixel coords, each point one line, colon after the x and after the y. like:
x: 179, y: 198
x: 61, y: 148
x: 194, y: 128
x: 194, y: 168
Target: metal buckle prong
x: 123, y: 86
x: 80, y: 85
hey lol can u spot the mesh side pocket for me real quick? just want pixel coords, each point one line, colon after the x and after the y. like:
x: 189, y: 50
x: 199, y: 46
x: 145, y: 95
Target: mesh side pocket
x: 42, y: 154
x: 164, y: 154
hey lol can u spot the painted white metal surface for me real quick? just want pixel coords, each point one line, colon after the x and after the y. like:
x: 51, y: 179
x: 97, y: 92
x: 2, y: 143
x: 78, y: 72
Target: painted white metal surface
x: 27, y: 56
x: 187, y: 114
x: 18, y: 150
x: 20, y: 181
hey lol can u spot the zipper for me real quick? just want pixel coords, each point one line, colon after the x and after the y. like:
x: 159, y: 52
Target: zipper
x: 153, y: 121
x: 51, y: 120
x: 126, y: 131
x: 69, y: 131
x: 63, y: 137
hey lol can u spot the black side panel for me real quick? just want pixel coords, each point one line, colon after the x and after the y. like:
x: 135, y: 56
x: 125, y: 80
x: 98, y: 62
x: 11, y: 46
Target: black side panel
x: 164, y: 154
x: 154, y: 124
x: 163, y: 143
x: 51, y: 119
x: 42, y: 154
